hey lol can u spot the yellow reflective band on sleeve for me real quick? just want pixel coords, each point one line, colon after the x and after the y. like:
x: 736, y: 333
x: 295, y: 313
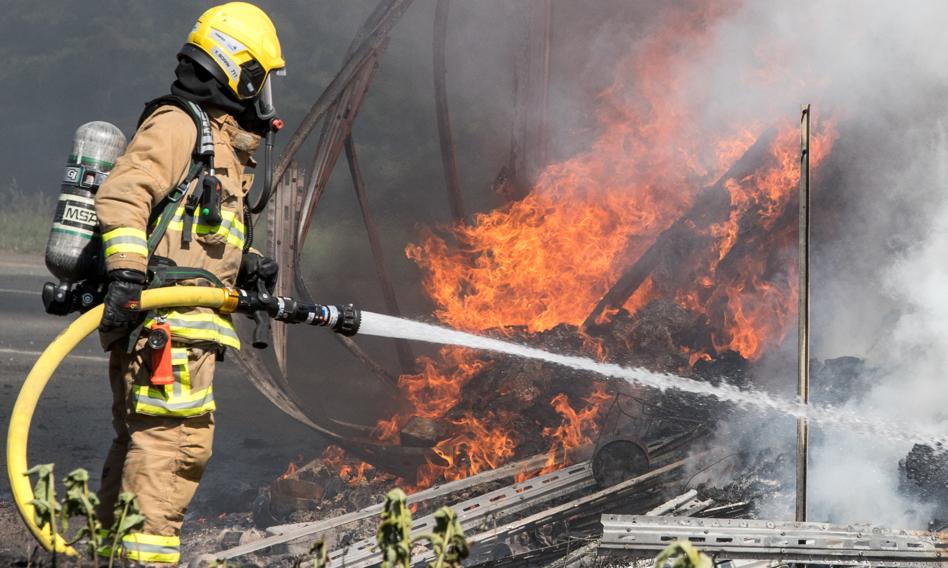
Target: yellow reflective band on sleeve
x: 175, y: 399
x: 200, y: 326
x: 231, y: 227
x: 141, y: 547
x: 125, y: 239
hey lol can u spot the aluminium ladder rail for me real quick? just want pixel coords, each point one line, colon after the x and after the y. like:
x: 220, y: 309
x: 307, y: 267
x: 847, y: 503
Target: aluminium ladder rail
x: 809, y: 543
x: 479, y: 510
x: 509, y: 500
x: 282, y: 534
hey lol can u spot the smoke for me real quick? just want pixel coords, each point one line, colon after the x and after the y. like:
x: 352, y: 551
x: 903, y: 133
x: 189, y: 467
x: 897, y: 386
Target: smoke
x: 880, y: 225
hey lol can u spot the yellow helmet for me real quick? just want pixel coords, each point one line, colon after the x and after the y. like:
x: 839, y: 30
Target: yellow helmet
x: 237, y: 43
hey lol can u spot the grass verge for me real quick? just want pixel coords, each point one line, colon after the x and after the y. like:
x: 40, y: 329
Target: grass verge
x: 25, y: 218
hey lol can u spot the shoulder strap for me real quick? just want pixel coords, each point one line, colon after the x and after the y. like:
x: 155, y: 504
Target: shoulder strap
x: 202, y: 158
x: 204, y: 145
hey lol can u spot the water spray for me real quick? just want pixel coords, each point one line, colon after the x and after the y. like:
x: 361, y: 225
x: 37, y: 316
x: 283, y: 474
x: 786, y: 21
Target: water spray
x: 393, y: 327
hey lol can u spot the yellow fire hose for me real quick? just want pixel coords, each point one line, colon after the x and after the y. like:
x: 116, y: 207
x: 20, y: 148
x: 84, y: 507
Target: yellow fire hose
x: 225, y: 300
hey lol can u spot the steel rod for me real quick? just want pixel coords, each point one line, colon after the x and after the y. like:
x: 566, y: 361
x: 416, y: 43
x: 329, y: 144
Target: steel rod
x: 803, y: 364
x: 449, y: 158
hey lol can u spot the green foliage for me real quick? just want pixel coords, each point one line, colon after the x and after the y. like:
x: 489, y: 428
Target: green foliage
x: 394, y: 535
x: 394, y: 532
x: 447, y: 540
x: 81, y: 502
x: 47, y: 511
x: 682, y: 554
x: 128, y: 519
x: 25, y: 219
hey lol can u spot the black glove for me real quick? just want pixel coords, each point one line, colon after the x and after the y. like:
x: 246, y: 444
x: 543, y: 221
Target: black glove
x: 255, y: 268
x: 122, y: 301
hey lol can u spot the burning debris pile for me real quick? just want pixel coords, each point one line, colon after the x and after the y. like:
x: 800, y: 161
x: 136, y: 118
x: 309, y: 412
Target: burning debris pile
x: 700, y: 297
x: 667, y: 245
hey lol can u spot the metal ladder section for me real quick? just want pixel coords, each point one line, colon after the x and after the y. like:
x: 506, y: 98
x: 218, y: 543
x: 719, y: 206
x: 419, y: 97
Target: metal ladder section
x: 809, y: 543
x: 481, y: 510
x: 281, y: 534
x: 510, y: 500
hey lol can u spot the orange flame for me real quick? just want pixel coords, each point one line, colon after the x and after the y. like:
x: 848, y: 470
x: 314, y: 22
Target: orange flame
x: 479, y: 445
x: 350, y: 471
x: 547, y: 259
x: 576, y: 429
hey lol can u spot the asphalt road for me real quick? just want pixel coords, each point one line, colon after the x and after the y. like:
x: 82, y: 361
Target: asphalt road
x: 71, y: 428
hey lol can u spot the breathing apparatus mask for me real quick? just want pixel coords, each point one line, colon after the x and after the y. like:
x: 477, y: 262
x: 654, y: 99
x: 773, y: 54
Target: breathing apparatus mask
x: 266, y: 112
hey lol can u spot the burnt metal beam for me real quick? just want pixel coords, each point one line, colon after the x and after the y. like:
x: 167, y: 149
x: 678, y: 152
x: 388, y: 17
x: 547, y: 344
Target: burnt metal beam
x: 480, y: 510
x: 405, y: 356
x: 286, y: 533
x: 449, y: 160
x: 373, y: 32
x: 332, y: 139
x: 281, y: 233
x: 529, y: 127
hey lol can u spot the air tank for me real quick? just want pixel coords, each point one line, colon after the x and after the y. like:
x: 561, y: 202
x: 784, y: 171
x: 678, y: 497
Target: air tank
x: 74, y: 250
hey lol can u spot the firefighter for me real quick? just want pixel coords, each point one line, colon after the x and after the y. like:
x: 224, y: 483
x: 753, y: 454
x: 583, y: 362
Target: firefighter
x: 164, y: 429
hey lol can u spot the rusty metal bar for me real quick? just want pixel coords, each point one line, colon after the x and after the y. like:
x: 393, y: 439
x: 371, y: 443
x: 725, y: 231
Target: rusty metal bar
x: 449, y: 158
x: 803, y: 337
x: 405, y: 356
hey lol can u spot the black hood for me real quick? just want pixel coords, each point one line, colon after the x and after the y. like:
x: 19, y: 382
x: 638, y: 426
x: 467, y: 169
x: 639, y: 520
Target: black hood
x: 196, y: 84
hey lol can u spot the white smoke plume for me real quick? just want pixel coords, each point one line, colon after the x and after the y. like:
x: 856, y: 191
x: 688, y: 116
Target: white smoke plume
x: 880, y: 224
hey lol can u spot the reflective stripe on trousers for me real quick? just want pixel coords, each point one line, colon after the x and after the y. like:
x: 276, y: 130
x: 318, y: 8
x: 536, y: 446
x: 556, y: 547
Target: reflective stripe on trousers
x: 142, y: 547
x: 176, y: 399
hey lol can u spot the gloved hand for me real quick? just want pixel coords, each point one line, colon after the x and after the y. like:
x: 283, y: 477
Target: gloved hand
x: 122, y: 301
x: 255, y: 267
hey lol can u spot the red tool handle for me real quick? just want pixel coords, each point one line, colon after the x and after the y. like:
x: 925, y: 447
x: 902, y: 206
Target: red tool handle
x: 159, y: 339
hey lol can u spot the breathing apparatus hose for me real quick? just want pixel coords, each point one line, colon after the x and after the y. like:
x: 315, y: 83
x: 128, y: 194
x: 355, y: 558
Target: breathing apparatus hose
x: 46, y: 365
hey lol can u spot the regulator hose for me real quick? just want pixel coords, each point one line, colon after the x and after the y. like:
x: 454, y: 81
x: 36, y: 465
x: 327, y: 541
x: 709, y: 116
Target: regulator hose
x: 18, y: 433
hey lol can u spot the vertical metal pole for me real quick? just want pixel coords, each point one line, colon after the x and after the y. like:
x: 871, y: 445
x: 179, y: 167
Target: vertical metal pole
x: 803, y: 364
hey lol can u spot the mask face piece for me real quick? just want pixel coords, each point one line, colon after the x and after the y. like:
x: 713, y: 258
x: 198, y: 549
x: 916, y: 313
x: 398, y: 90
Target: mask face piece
x: 264, y: 102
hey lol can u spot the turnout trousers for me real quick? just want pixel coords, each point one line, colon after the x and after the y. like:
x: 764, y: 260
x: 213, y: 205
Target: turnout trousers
x: 163, y: 437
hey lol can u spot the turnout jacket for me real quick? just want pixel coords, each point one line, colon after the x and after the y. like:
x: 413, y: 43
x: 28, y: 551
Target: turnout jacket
x: 156, y: 161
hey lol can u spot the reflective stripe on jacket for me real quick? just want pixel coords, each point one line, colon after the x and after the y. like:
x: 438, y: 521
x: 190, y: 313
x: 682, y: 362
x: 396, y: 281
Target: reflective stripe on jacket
x: 156, y: 161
